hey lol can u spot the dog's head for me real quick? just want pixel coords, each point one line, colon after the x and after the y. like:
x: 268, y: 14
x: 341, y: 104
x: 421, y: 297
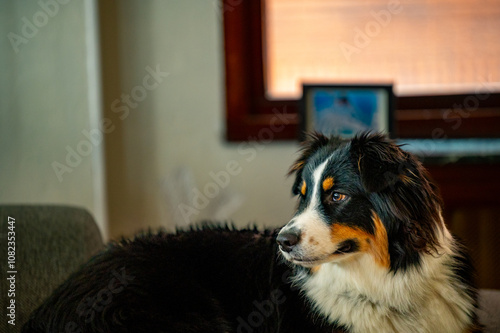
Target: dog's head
x: 364, y: 196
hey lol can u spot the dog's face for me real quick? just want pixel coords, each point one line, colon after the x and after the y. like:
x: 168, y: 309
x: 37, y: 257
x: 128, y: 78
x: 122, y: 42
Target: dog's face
x: 355, y: 198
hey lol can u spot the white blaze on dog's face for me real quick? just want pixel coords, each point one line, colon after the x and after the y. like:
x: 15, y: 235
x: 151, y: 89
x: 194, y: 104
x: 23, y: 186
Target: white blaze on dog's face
x: 366, y: 208
x: 335, y: 219
x: 315, y: 245
x: 361, y: 196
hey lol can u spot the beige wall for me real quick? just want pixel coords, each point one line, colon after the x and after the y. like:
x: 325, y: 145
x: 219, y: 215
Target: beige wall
x: 160, y: 145
x: 48, y: 98
x: 178, y: 129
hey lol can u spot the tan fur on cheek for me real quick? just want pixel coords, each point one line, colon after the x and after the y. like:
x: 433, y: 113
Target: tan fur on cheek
x: 376, y: 245
x: 380, y: 244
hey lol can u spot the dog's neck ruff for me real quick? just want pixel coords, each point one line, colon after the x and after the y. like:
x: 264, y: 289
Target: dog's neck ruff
x: 365, y: 297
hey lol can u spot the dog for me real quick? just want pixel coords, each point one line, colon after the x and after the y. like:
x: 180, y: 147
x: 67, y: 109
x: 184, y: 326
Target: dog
x: 366, y: 251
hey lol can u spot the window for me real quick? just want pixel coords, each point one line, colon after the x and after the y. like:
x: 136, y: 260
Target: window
x: 442, y: 55
x: 424, y: 47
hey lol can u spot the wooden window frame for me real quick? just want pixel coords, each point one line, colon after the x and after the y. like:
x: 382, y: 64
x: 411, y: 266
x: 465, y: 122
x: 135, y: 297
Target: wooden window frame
x: 249, y: 113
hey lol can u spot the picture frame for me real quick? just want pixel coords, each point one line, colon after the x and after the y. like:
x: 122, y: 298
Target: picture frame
x: 347, y: 109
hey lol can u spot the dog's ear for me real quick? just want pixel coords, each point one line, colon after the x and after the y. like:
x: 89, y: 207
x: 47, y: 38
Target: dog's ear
x: 380, y: 161
x: 313, y: 142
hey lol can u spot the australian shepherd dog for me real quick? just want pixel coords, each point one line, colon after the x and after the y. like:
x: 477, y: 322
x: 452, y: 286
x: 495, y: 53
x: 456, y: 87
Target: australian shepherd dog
x: 366, y: 251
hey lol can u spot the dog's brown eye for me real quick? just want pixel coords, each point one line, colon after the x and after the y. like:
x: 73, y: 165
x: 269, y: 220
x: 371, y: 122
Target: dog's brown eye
x: 337, y: 197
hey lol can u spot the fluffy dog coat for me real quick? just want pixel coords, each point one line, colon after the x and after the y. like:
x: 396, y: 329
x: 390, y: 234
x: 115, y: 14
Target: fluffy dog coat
x: 366, y: 251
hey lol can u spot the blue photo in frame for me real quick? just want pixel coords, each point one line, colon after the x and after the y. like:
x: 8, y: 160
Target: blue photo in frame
x: 346, y: 110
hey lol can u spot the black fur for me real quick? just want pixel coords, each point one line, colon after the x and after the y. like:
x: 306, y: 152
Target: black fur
x: 403, y: 196
x: 221, y: 280
x: 207, y: 280
x: 378, y: 176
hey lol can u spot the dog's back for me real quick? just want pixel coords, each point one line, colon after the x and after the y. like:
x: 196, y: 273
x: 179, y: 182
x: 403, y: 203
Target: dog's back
x: 210, y: 280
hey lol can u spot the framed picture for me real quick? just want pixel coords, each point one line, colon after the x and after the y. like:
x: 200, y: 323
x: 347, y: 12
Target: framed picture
x: 346, y: 110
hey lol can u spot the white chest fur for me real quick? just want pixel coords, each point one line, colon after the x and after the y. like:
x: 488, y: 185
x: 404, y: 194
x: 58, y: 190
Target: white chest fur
x: 367, y: 298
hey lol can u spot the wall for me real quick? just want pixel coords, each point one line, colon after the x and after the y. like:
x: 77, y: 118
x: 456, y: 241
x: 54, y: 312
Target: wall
x: 49, y: 96
x: 161, y: 144
x: 167, y: 142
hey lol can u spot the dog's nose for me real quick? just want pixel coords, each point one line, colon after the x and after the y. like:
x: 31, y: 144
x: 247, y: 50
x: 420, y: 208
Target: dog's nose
x: 288, y: 239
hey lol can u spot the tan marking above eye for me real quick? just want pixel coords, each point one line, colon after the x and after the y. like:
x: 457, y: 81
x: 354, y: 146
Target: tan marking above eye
x: 328, y: 183
x: 303, y: 188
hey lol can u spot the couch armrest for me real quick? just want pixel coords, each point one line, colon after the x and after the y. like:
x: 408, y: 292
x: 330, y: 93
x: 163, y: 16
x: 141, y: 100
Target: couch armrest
x: 50, y: 243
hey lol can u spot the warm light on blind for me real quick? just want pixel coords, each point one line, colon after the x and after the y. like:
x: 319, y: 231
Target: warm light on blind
x: 424, y: 47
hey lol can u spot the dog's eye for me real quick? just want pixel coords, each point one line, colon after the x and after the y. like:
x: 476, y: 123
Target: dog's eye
x: 338, y: 197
